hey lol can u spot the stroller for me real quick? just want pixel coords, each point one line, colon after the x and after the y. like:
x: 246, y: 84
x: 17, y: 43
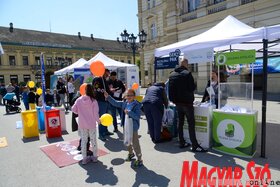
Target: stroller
x: 11, y: 103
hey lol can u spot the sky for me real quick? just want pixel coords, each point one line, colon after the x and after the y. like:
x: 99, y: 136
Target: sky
x: 103, y: 18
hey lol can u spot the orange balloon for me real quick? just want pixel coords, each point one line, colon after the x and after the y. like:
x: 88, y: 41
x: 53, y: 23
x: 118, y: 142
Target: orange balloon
x: 83, y: 89
x: 97, y: 68
x: 135, y: 86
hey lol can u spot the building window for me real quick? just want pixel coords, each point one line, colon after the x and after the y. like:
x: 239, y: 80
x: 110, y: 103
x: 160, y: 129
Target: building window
x: 129, y: 61
x: 49, y: 61
x: 0, y: 61
x: 148, y: 4
x: 192, y: 5
x: 153, y: 31
x: 12, y: 60
x: 194, y: 67
x: 26, y: 78
x: 37, y: 60
x: 2, y: 79
x: 25, y: 60
x: 122, y: 60
x: 14, y: 79
x: 154, y: 3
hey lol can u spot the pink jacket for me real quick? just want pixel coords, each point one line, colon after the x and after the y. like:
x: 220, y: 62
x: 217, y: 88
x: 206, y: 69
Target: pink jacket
x: 88, y: 112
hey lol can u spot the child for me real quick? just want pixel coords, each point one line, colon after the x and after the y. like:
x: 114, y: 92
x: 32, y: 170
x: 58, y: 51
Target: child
x: 56, y: 98
x: 132, y: 108
x: 25, y: 98
x: 31, y: 99
x: 87, y: 108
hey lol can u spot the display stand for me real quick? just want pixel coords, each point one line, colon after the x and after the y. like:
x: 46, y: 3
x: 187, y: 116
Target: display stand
x: 235, y: 121
x: 203, y: 126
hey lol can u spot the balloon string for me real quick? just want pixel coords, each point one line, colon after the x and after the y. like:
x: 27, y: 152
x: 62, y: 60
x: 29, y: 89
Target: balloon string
x: 104, y: 84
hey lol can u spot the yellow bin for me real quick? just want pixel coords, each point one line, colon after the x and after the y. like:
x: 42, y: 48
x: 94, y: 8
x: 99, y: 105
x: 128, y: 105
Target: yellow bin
x: 30, y: 123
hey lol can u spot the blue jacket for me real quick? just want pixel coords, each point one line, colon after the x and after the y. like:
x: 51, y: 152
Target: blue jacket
x: 134, y: 110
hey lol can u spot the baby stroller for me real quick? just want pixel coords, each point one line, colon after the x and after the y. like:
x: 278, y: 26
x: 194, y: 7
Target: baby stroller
x: 11, y: 103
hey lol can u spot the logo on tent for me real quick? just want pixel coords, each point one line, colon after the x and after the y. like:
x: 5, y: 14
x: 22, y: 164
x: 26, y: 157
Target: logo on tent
x: 221, y: 59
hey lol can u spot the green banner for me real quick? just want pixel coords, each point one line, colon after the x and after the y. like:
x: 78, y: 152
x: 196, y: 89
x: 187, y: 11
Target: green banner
x: 238, y: 57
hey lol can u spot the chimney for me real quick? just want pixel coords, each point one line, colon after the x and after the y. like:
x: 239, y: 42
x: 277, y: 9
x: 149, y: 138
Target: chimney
x: 79, y: 35
x: 11, y: 27
x: 91, y: 36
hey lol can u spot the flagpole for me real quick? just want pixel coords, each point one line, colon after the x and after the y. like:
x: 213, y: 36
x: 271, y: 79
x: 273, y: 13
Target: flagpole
x: 43, y: 80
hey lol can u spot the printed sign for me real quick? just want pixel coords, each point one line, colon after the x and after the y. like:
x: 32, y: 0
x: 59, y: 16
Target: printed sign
x: 54, y: 122
x: 168, y: 62
x: 200, y: 56
x: 238, y: 57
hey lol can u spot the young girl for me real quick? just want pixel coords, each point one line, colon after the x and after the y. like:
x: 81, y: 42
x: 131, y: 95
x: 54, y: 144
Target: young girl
x: 87, y: 108
x: 132, y: 109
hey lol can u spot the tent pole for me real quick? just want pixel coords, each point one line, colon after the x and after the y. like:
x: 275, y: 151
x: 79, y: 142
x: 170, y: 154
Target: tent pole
x: 155, y: 70
x: 264, y: 98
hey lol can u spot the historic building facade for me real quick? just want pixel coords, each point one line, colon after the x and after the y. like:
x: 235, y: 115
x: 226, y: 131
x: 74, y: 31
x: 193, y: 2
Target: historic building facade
x: 22, y: 48
x: 170, y: 21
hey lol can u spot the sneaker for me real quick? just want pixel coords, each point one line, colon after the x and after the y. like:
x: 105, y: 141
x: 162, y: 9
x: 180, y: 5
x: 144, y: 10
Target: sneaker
x: 130, y: 157
x: 184, y: 145
x: 94, y: 159
x: 86, y: 160
x: 138, y: 163
x: 198, y: 148
x: 109, y: 133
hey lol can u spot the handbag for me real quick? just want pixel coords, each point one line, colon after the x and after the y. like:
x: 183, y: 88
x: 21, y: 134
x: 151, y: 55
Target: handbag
x: 168, y: 116
x: 165, y: 134
x: 128, y: 131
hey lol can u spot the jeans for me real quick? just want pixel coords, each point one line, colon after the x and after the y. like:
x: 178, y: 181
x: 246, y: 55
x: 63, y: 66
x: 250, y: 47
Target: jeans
x: 85, y: 134
x: 187, y: 111
x: 103, y: 108
x: 62, y: 100
x: 154, y: 118
x: 135, y: 146
x: 113, y: 110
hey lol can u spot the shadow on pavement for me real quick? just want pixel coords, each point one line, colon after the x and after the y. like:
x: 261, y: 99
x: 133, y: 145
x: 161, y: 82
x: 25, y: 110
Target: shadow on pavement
x: 100, y: 173
x: 117, y: 161
x: 54, y: 140
x: 27, y: 140
x: 145, y: 176
x: 114, y: 145
x: 170, y: 147
x: 216, y: 159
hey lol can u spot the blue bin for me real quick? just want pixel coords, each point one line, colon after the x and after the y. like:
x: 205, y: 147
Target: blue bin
x: 41, y: 120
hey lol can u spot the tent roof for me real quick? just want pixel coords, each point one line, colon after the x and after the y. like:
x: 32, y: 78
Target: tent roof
x: 108, y: 62
x: 82, y: 63
x: 228, y: 31
x: 68, y: 69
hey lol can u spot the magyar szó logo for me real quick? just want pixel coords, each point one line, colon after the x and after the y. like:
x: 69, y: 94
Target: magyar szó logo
x: 221, y: 59
x: 230, y: 133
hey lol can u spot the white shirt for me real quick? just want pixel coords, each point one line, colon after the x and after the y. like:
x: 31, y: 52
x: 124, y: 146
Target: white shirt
x: 71, y: 87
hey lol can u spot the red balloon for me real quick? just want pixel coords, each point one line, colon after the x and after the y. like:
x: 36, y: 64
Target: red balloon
x: 135, y: 86
x: 97, y: 68
x: 83, y: 89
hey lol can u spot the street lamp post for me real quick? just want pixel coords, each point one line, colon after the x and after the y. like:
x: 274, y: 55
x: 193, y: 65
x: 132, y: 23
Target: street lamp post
x: 130, y: 41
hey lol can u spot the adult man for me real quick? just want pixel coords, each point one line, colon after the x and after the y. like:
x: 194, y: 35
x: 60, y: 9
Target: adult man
x: 61, y: 89
x: 181, y: 92
x: 117, y: 89
x: 99, y: 88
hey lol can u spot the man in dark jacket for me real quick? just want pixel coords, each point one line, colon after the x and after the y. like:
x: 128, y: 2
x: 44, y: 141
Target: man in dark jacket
x: 98, y: 87
x: 153, y: 103
x: 117, y: 88
x: 181, y: 92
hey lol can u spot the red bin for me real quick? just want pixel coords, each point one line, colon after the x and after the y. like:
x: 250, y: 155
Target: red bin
x: 53, y: 124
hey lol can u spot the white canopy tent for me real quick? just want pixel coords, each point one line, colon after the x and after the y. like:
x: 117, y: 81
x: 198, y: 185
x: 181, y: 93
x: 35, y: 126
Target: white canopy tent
x: 70, y: 69
x: 231, y: 31
x: 108, y: 62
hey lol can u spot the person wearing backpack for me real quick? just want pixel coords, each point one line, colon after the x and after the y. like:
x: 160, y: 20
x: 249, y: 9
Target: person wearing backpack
x: 181, y: 93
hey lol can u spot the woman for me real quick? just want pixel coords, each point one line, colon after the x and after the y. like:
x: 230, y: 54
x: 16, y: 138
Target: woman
x: 153, y: 103
x: 71, y: 88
